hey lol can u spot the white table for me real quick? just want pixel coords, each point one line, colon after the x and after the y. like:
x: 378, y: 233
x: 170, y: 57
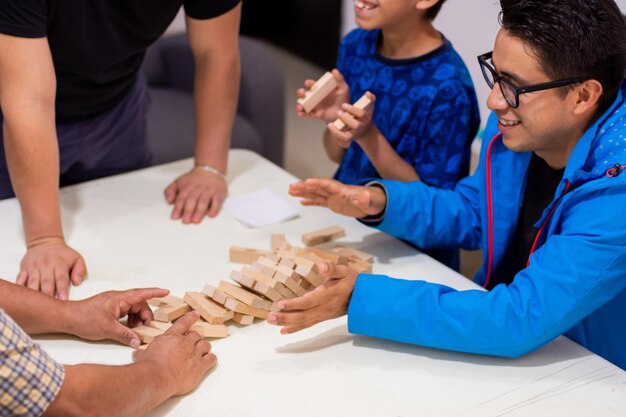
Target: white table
x: 121, y: 225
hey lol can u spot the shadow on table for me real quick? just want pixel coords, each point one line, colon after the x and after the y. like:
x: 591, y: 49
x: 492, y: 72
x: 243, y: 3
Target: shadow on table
x: 557, y: 351
x: 335, y: 336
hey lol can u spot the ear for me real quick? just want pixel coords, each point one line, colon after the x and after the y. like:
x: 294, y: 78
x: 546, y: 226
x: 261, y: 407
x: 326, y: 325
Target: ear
x: 587, y: 96
x: 425, y: 4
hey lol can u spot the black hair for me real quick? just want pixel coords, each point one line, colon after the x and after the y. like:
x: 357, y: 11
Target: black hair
x: 572, y: 38
x: 434, y: 11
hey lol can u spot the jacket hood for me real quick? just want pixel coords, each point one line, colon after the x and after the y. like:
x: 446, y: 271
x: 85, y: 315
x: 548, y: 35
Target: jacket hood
x: 602, y: 146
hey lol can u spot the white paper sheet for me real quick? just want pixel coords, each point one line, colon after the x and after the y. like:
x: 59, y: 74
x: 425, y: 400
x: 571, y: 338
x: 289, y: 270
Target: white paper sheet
x: 260, y: 208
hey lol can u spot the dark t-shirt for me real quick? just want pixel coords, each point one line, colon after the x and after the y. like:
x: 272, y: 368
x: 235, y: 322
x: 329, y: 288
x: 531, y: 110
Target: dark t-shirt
x: 541, y: 184
x: 97, y: 45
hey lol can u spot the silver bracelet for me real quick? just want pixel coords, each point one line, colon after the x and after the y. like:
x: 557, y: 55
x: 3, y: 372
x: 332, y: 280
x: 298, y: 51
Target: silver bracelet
x: 210, y: 169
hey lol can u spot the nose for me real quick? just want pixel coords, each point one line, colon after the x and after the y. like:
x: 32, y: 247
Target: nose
x: 496, y: 100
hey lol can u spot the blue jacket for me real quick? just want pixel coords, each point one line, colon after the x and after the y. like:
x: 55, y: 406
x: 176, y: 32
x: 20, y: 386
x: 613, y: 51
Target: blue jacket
x: 575, y: 282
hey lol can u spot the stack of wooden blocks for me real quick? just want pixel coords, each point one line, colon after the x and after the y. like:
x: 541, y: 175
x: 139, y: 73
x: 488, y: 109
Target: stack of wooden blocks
x: 270, y: 276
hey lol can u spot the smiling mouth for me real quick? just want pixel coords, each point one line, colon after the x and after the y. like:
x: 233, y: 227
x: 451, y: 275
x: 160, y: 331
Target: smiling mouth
x: 363, y: 5
x: 508, y: 123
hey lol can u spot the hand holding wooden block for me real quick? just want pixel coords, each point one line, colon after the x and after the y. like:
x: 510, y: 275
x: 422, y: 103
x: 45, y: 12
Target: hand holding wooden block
x: 322, y: 88
x: 362, y: 103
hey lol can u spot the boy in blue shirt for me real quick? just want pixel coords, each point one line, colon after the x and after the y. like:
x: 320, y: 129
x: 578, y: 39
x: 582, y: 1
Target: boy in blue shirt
x: 426, y: 113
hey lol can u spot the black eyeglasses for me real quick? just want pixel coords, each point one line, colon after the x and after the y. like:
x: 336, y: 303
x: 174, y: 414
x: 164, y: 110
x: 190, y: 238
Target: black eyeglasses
x: 511, y: 92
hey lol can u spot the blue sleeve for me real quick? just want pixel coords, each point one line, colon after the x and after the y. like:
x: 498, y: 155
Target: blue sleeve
x: 434, y: 218
x: 579, y: 268
x: 444, y: 137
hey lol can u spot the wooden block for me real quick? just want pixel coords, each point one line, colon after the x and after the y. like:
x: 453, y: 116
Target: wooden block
x: 244, y: 296
x: 291, y: 283
x: 270, y: 263
x: 206, y: 330
x: 159, y: 325
x: 246, y: 255
x: 278, y: 242
x: 239, y: 307
x: 263, y: 269
x: 328, y: 256
x: 168, y: 314
x: 362, y: 103
x: 261, y: 277
x: 243, y: 319
x: 208, y: 309
x: 147, y: 334
x: 257, y: 287
x: 308, y: 271
x: 143, y: 347
x: 267, y: 286
x: 353, y: 253
x: 289, y: 263
x: 318, y: 92
x: 360, y: 267
x: 324, y: 235
x: 167, y: 301
x: 215, y: 294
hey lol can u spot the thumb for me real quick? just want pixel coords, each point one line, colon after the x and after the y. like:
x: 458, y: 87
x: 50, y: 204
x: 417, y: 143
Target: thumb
x: 183, y: 324
x: 332, y: 271
x: 79, y: 271
x: 125, y: 336
x: 170, y: 193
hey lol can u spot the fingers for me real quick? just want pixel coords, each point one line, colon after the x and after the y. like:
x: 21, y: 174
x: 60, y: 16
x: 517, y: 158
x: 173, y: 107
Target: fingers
x: 333, y: 271
x: 47, y: 283
x: 305, y: 302
x: 170, y: 193
x: 62, y: 283
x: 34, y: 278
x: 125, y: 336
x: 78, y: 271
x: 216, y: 205
x: 22, y: 278
x: 209, y: 361
x: 179, y: 205
x: 183, y: 324
x: 138, y: 295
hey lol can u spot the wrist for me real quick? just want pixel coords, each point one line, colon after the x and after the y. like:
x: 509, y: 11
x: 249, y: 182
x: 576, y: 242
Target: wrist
x: 368, y: 136
x: 44, y: 240
x: 208, y: 168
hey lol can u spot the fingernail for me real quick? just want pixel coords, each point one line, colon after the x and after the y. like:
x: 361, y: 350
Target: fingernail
x: 323, y: 268
x: 134, y: 343
x: 271, y: 318
x: 62, y: 296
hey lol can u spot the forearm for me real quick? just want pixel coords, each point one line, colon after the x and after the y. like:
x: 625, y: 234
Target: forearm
x: 98, y: 390
x: 333, y: 150
x: 33, y: 160
x: 35, y: 312
x: 216, y: 95
x: 385, y: 159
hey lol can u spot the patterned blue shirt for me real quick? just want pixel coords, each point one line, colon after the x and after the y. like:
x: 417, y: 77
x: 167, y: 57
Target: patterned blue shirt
x: 425, y: 107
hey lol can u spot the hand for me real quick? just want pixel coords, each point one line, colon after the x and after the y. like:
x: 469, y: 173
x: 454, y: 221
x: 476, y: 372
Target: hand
x: 329, y: 300
x: 49, y: 265
x: 182, y: 355
x: 195, y: 194
x: 98, y: 317
x: 358, y: 123
x: 349, y: 200
x: 328, y: 108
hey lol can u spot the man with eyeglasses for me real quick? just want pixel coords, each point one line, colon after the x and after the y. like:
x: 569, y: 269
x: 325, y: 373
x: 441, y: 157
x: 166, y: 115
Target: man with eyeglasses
x: 546, y: 204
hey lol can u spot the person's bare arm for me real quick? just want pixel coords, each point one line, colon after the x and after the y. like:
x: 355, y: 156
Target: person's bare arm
x: 27, y: 99
x: 215, y: 47
x: 334, y: 151
x: 173, y: 364
x: 360, y: 127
